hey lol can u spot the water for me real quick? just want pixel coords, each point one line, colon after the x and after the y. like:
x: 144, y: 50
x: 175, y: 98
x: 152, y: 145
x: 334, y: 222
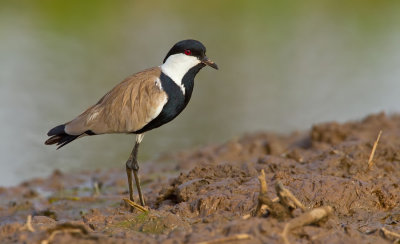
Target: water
x: 283, y: 66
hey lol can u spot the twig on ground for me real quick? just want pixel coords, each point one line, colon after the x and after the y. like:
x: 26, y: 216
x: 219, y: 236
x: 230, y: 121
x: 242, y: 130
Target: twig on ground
x: 237, y: 237
x: 277, y: 209
x: 371, y: 156
x: 135, y: 205
x: 263, y: 191
x: 64, y: 228
x: 28, y: 225
x: 246, y: 216
x: 310, y: 217
x: 283, y: 208
x: 287, y: 198
x: 390, y: 234
x: 96, y: 188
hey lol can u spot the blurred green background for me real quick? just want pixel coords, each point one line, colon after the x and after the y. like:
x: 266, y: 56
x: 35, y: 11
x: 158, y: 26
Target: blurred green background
x: 284, y: 65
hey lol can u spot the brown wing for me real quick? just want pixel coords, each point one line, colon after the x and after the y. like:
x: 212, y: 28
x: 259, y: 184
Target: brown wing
x: 128, y: 107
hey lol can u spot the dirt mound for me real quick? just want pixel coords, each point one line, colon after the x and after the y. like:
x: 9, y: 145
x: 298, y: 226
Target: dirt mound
x: 216, y: 194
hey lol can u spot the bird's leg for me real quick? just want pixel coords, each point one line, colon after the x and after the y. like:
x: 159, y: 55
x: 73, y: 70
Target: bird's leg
x: 133, y: 165
x: 129, y: 174
x: 135, y: 168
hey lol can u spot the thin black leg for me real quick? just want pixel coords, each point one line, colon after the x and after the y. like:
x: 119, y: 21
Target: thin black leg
x: 132, y: 165
x: 130, y: 182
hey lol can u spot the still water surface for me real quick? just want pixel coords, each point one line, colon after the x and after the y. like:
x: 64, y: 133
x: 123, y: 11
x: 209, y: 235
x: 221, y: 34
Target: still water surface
x: 284, y: 65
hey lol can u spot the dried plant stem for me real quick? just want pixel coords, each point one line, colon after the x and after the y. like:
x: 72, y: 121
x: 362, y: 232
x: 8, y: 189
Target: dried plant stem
x: 280, y: 208
x: 28, y: 225
x: 237, y: 237
x: 65, y: 228
x: 54, y: 233
x: 388, y: 233
x: 287, y: 198
x: 263, y: 191
x: 371, y: 156
x: 310, y: 217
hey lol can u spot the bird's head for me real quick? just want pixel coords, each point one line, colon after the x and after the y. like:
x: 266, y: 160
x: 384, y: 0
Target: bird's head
x: 187, y: 54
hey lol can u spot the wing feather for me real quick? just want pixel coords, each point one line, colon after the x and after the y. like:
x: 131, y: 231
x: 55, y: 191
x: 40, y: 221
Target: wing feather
x: 128, y: 107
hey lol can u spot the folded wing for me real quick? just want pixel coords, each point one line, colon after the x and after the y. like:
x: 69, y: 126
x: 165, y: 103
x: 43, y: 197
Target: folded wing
x: 128, y: 107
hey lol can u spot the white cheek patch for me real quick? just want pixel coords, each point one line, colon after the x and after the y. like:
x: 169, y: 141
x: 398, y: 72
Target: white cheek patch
x: 177, y: 65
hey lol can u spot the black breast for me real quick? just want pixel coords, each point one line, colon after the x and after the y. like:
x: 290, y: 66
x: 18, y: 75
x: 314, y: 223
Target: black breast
x: 177, y: 101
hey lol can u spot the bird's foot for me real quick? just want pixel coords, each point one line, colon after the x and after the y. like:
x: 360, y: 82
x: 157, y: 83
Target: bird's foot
x: 131, y: 203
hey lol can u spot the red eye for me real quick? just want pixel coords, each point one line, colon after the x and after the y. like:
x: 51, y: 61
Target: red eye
x: 188, y: 52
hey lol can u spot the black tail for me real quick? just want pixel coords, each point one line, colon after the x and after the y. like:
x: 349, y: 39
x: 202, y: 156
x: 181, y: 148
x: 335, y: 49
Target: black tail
x: 59, y: 137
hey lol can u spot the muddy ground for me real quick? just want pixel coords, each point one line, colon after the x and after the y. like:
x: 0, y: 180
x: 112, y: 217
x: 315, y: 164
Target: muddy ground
x: 214, y: 196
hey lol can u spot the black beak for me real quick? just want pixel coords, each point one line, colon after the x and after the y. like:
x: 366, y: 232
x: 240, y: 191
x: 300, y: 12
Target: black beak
x: 208, y: 62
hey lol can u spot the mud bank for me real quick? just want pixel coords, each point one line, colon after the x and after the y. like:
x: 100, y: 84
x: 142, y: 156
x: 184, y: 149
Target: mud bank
x: 213, y: 198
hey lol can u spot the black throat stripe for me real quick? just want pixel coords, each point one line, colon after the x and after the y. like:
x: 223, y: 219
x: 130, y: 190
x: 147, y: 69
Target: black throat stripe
x: 177, y: 101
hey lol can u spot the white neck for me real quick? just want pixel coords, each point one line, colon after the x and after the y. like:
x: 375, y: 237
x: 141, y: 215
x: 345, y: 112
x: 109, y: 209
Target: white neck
x: 177, y: 65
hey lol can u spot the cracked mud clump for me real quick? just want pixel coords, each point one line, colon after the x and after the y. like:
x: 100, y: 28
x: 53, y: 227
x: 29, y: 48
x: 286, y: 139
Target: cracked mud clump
x: 210, y: 194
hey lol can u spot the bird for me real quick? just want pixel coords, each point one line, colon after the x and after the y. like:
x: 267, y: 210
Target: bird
x: 143, y: 101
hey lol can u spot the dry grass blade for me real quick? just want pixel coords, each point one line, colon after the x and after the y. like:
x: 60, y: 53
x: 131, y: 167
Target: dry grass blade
x: 246, y: 216
x: 56, y: 232
x: 388, y: 233
x: 371, y: 156
x: 96, y: 189
x: 263, y: 191
x: 237, y: 237
x: 287, y: 198
x: 277, y: 209
x: 65, y: 228
x: 310, y: 217
x: 263, y: 182
x: 28, y: 225
x: 135, y: 205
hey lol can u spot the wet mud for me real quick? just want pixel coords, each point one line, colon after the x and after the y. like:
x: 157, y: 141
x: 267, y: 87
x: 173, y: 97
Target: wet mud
x: 210, y: 195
